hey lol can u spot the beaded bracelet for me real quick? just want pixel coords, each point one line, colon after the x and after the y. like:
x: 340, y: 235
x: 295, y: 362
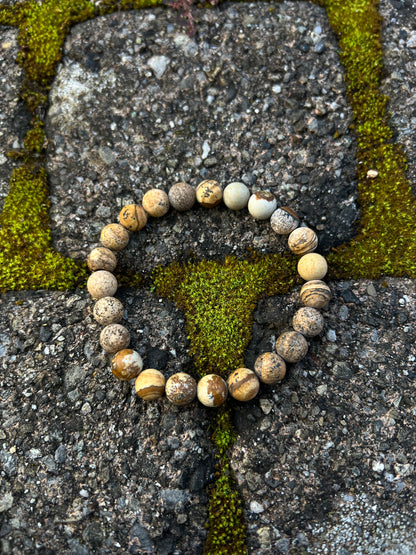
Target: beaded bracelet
x: 242, y: 384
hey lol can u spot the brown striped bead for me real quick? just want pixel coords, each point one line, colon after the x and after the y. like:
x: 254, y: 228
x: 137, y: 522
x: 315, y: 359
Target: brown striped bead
x: 150, y: 384
x: 315, y: 293
x: 243, y: 384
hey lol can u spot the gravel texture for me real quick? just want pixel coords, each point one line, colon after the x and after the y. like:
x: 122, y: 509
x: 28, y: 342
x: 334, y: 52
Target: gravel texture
x: 325, y: 462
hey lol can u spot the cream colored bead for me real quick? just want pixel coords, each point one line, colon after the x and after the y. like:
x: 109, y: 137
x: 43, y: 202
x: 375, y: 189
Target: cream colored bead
x: 133, y: 217
x: 150, y: 384
x: 126, y: 364
x: 181, y: 389
x: 156, y: 203
x: 114, y: 337
x: 312, y: 266
x: 101, y: 284
x: 315, y: 293
x: 243, y: 384
x: 308, y: 321
x: 236, y: 195
x: 101, y: 258
x: 262, y: 204
x: 182, y: 196
x: 114, y: 237
x: 302, y: 240
x: 209, y: 193
x: 291, y: 346
x: 108, y: 310
x: 270, y: 368
x: 212, y: 390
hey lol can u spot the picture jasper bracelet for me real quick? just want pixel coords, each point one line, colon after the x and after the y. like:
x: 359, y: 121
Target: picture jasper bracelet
x: 242, y: 384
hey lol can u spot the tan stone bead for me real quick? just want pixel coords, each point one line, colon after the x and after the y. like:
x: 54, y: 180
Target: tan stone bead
x: 182, y: 196
x: 302, y: 240
x: 312, y: 266
x: 114, y: 337
x: 114, y: 237
x: 284, y: 220
x: 133, y: 217
x: 308, y: 321
x: 243, y: 384
x: 292, y: 346
x: 101, y: 284
x: 126, y: 364
x: 181, y: 389
x: 315, y: 293
x: 150, y: 384
x: 212, y: 390
x: 108, y: 310
x: 101, y: 258
x: 156, y: 203
x: 270, y: 368
x: 209, y: 193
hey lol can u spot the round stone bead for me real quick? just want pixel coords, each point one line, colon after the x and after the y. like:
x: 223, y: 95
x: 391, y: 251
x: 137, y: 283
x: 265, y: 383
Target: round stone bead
x: 114, y: 237
x: 181, y: 389
x: 291, y: 346
x: 126, y: 364
x: 150, y: 384
x: 114, y: 337
x: 243, y: 384
x: 262, y: 204
x: 133, y: 217
x: 308, y: 321
x: 108, y: 310
x: 209, y: 193
x: 156, y: 203
x: 182, y: 196
x: 236, y: 195
x: 101, y: 284
x: 302, y: 240
x: 315, y: 293
x: 270, y: 368
x: 312, y: 266
x: 212, y: 390
x: 101, y: 258
x: 284, y: 220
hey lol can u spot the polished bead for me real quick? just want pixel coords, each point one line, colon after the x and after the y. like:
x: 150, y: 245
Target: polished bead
x: 114, y: 337
x: 133, y: 217
x: 101, y: 284
x: 308, y: 321
x: 212, y: 390
x: 302, y: 240
x: 126, y: 364
x: 236, y: 195
x: 312, y: 266
x: 243, y: 384
x: 108, y: 310
x: 150, y: 384
x: 101, y: 258
x: 315, y: 293
x: 291, y: 346
x: 182, y: 196
x: 284, y: 220
x: 181, y: 389
x: 270, y: 368
x: 156, y: 203
x: 114, y: 237
x: 209, y: 193
x: 262, y: 204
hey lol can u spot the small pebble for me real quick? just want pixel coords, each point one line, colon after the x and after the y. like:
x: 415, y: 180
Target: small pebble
x: 209, y: 193
x: 182, y: 196
x: 315, y: 293
x: 284, y: 220
x: 156, y: 203
x: 270, y: 368
x: 212, y: 390
x: 262, y: 204
x: 372, y: 174
x: 133, y: 217
x: 150, y: 384
x: 302, y: 240
x: 181, y: 389
x: 312, y: 266
x: 236, y: 195
x: 292, y: 346
x: 126, y: 364
x: 114, y: 337
x: 102, y: 284
x: 308, y: 321
x: 101, y: 258
x: 243, y: 384
x: 114, y: 237
x: 108, y: 310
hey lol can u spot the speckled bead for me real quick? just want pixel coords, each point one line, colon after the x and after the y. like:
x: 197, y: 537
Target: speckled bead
x: 243, y: 384
x: 101, y: 258
x: 315, y: 293
x: 308, y: 321
x: 101, y: 284
x: 270, y: 368
x: 108, y: 310
x: 181, y: 389
x: 150, y: 384
x: 114, y: 337
x: 262, y: 204
x: 133, y: 217
x: 209, y: 193
x: 284, y: 220
x: 156, y: 203
x: 291, y: 346
x: 236, y: 195
x: 302, y: 240
x: 212, y: 390
x: 126, y: 364
x: 182, y: 196
x: 312, y: 266
x: 114, y: 237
